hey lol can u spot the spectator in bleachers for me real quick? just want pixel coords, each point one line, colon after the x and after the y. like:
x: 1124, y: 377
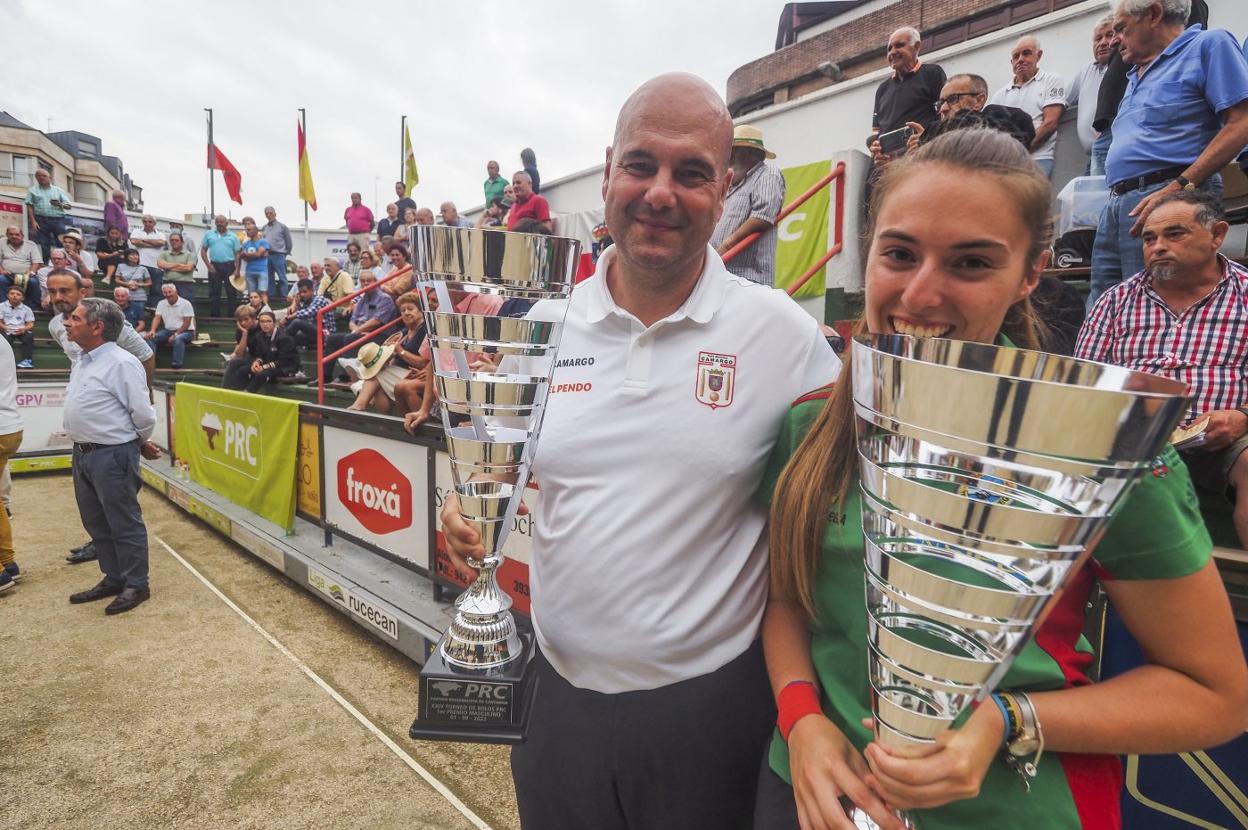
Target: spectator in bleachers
x: 1114, y: 84
x: 19, y: 327
x: 909, y: 95
x: 219, y: 251
x: 1083, y: 89
x: 494, y: 183
x: 316, y: 271
x: 1040, y: 94
x: 754, y: 199
x: 352, y: 264
x: 424, y: 216
x: 335, y: 285
x: 300, y: 320
x: 372, y: 310
x: 238, y: 365
x: 173, y: 323
x: 84, y: 262
x: 409, y: 219
x: 403, y: 201
x: 400, y: 270
x: 381, y: 258
x: 134, y: 313
x: 256, y: 303
x: 451, y: 217
x: 1182, y: 317
x: 368, y: 262
x: 110, y: 251
x: 46, y: 205
x: 1183, y: 118
x: 528, y: 161
x: 494, y: 215
x: 359, y: 220
x: 20, y: 256
x: 177, y: 227
x: 277, y: 235
x: 178, y: 263
x: 115, y: 215
x: 528, y: 205
x: 389, y: 222
x: 382, y: 367
x: 301, y: 273
x: 268, y: 353
x: 135, y: 277
x: 253, y: 258
x: 964, y: 103
x: 150, y: 242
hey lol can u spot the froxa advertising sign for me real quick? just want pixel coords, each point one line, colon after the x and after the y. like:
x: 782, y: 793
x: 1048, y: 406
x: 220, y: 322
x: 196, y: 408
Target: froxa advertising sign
x: 376, y: 493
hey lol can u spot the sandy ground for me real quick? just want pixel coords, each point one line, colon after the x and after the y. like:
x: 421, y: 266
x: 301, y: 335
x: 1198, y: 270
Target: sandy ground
x: 179, y: 714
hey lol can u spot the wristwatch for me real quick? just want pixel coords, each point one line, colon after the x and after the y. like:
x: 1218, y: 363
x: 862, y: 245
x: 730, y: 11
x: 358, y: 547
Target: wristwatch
x: 1184, y: 183
x: 1026, y: 744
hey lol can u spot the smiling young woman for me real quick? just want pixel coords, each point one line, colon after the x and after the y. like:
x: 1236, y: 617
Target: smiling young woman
x: 958, y: 237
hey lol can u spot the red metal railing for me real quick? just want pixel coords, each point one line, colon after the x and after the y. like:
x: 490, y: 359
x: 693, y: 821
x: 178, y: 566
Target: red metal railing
x: 837, y: 174
x: 321, y: 357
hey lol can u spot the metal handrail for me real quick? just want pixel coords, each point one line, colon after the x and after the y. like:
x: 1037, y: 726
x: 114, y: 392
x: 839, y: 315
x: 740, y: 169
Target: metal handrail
x: 321, y: 358
x: 837, y: 174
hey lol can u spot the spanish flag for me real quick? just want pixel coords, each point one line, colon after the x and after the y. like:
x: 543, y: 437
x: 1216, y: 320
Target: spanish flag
x: 306, y: 191
x: 410, y: 177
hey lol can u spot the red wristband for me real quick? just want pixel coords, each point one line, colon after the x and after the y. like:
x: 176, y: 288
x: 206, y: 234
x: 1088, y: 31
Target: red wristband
x: 797, y: 700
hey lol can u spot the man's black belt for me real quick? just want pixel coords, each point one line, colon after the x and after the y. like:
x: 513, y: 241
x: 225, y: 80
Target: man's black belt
x: 1127, y: 185
x: 86, y: 447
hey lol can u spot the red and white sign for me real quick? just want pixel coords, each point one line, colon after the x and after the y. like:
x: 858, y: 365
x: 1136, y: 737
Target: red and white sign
x: 369, y: 491
x: 376, y: 493
x: 513, y: 574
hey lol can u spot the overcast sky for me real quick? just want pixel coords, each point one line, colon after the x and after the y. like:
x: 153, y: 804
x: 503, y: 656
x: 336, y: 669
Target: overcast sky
x: 477, y: 80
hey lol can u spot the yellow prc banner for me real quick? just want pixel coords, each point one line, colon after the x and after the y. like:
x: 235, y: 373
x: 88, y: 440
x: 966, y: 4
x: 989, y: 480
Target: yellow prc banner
x: 241, y: 446
x: 802, y: 237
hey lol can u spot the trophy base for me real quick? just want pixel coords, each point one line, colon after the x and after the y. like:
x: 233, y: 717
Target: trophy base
x: 490, y: 706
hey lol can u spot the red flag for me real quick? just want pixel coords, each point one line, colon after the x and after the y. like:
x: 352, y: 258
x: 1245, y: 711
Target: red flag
x: 233, y: 179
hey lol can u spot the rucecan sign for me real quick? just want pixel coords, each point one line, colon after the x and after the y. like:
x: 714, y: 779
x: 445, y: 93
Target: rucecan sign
x: 376, y: 493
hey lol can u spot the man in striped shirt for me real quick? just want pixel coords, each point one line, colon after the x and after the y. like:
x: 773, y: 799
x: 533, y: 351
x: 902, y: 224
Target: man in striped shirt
x: 1183, y: 317
x: 753, y: 201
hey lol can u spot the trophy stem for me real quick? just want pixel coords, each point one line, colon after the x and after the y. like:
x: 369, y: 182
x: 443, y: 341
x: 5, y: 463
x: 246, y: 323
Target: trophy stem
x: 483, y: 633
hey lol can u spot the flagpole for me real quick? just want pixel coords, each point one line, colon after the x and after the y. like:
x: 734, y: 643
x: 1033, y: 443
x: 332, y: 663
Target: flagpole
x: 212, y: 194
x: 307, y: 238
x: 402, y: 150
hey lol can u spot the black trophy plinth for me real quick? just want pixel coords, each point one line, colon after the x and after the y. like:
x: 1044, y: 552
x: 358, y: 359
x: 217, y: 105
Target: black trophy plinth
x: 489, y: 706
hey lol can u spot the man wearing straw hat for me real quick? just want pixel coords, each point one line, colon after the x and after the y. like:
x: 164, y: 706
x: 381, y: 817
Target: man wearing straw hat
x: 756, y: 197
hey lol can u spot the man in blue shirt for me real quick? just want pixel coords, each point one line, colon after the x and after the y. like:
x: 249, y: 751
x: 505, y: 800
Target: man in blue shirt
x: 1183, y: 118
x: 220, y: 253
x: 110, y: 418
x: 373, y: 309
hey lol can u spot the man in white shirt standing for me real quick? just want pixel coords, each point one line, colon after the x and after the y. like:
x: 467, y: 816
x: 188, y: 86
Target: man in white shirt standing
x: 1084, y: 88
x: 649, y: 567
x: 1040, y: 94
x: 110, y: 418
x: 174, y: 320
x: 150, y: 242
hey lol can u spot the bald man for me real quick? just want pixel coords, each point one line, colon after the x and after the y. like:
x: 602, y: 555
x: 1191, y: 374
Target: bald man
x: 1040, y: 94
x: 649, y: 570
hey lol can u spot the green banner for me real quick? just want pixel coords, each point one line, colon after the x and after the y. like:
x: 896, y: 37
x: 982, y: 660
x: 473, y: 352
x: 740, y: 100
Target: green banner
x: 802, y: 238
x: 242, y: 446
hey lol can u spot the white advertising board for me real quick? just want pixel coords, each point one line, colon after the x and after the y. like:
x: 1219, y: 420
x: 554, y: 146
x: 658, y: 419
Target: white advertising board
x: 376, y: 490
x: 42, y: 407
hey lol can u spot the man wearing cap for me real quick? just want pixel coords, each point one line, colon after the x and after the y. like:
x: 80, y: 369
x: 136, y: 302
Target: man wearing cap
x: 754, y: 200
x: 80, y: 260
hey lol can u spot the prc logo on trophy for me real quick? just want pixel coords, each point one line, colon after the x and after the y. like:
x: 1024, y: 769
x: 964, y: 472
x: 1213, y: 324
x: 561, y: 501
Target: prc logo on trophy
x: 717, y: 379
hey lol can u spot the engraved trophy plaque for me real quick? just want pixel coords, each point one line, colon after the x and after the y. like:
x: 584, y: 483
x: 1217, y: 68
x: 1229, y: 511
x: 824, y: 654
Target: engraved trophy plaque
x: 988, y: 475
x: 492, y: 377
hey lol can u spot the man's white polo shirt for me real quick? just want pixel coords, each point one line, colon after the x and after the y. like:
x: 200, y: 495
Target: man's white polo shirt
x: 650, y: 552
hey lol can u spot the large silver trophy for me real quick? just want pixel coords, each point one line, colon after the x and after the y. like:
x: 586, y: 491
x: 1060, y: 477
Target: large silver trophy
x: 988, y: 475
x: 492, y: 376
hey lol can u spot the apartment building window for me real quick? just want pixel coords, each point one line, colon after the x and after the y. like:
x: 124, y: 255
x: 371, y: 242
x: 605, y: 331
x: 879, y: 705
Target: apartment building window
x: 89, y: 193
x: 87, y: 148
x: 20, y: 170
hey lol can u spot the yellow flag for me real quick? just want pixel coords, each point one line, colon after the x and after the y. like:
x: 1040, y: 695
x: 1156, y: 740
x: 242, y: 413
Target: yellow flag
x: 306, y: 191
x: 410, y: 177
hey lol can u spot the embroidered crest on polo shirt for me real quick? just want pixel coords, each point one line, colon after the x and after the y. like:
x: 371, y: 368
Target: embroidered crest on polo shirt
x: 716, y: 380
